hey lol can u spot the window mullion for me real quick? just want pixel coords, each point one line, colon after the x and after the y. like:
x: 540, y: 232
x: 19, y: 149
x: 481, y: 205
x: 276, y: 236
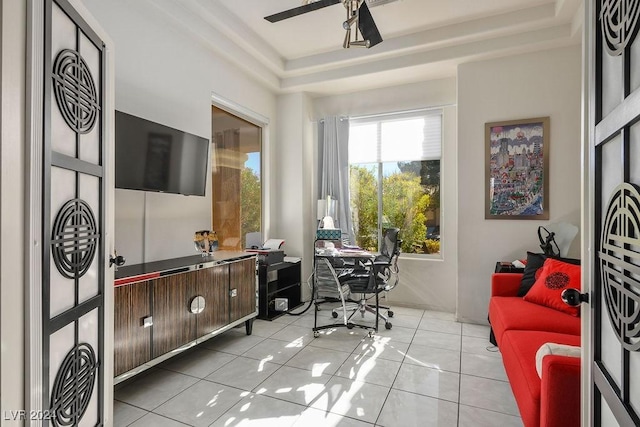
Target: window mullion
x: 380, y: 178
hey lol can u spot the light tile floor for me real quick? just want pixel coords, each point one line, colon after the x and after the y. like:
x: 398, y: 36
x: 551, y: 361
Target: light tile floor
x: 428, y: 370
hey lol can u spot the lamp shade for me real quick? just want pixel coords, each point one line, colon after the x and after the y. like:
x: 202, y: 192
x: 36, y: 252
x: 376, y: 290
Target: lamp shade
x: 564, y: 235
x: 327, y: 207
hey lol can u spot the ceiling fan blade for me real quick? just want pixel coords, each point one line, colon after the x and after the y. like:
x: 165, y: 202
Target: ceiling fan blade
x: 300, y: 10
x: 367, y: 26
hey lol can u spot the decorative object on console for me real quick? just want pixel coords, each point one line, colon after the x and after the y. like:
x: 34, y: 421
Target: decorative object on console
x: 555, y: 277
x: 205, y: 241
x: 517, y: 169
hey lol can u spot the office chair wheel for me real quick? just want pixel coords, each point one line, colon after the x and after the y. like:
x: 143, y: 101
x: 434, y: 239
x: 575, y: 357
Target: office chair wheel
x: 316, y: 334
x: 388, y: 325
x: 349, y: 325
x: 370, y: 334
x: 334, y: 314
x: 390, y: 313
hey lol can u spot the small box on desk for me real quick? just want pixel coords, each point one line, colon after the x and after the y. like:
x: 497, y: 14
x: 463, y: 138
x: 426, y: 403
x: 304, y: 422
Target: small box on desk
x: 328, y: 234
x: 507, y: 267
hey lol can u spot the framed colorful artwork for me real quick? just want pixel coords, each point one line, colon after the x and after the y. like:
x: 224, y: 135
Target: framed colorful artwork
x: 517, y: 169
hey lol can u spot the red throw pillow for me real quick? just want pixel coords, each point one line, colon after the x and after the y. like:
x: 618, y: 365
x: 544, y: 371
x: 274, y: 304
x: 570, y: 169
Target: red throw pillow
x: 556, y: 276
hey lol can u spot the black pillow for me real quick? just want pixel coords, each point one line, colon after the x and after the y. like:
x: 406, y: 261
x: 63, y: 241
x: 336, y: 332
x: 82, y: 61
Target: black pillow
x: 534, y: 263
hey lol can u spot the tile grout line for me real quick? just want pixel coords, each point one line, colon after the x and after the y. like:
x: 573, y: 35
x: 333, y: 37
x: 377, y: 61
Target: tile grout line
x: 459, y: 380
x: 143, y: 415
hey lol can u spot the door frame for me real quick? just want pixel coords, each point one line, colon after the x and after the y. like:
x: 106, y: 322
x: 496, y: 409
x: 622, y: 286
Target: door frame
x: 33, y: 193
x: 588, y: 209
x: 597, y: 389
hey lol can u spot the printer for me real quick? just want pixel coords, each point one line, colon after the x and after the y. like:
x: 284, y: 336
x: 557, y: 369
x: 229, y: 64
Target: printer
x: 269, y: 253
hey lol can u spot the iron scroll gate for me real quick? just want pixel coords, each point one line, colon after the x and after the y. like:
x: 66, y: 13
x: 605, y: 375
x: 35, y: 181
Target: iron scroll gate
x: 73, y: 208
x: 615, y: 112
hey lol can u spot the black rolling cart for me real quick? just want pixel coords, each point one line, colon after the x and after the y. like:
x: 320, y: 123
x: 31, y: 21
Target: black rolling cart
x: 278, y: 288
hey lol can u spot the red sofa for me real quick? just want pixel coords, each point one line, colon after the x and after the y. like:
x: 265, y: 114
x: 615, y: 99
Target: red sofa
x: 520, y: 328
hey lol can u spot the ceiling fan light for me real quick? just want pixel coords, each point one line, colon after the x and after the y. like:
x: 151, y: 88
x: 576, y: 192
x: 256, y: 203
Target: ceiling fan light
x: 367, y: 26
x: 347, y: 39
x: 349, y: 22
x: 361, y: 43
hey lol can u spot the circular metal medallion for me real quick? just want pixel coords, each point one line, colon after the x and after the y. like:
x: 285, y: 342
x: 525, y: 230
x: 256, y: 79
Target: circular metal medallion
x: 75, y: 91
x: 197, y: 305
x: 73, y: 386
x: 620, y: 264
x: 619, y: 24
x: 74, y: 239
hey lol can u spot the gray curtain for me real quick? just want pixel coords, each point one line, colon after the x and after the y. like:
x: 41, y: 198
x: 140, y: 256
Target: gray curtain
x: 333, y: 155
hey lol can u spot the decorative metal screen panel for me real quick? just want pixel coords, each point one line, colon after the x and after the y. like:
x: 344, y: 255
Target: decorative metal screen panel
x: 615, y: 109
x: 74, y: 239
x: 73, y: 386
x: 75, y: 91
x: 620, y: 264
x: 73, y: 208
x: 619, y: 24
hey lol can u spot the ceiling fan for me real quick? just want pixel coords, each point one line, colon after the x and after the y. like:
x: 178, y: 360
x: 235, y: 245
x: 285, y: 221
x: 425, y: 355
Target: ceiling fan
x: 358, y: 16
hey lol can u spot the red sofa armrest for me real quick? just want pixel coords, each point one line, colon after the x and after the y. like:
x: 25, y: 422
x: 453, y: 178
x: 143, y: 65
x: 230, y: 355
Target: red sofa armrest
x: 505, y: 284
x: 560, y: 391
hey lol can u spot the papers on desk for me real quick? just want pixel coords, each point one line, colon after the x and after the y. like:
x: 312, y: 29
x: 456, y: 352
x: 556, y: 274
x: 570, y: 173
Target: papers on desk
x: 273, y: 244
x: 292, y: 259
x: 345, y: 246
x: 269, y: 245
x: 351, y: 250
x: 343, y: 252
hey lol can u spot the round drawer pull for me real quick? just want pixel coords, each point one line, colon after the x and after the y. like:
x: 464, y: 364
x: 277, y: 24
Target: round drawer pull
x: 197, y: 305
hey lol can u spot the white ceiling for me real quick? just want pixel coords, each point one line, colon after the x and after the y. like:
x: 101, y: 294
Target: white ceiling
x: 423, y: 39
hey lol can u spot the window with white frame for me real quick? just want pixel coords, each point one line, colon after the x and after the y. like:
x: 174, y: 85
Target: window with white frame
x: 394, y: 162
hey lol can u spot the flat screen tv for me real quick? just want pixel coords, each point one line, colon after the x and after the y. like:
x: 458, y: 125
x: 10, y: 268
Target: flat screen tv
x: 154, y: 157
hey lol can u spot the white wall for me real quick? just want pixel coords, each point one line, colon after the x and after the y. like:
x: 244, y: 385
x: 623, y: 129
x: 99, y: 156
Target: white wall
x: 533, y: 85
x: 166, y: 76
x: 294, y: 218
x: 424, y: 283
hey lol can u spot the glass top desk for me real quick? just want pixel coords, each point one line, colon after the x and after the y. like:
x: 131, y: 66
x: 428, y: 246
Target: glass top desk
x: 329, y: 264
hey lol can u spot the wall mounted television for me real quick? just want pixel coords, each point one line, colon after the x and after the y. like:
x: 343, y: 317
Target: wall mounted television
x: 154, y: 157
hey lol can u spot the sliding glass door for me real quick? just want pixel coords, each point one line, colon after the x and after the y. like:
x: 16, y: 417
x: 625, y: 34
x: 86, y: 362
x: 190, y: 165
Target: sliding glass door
x: 236, y: 168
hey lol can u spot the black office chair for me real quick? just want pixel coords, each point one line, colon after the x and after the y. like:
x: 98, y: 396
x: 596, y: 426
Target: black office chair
x: 370, y: 278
